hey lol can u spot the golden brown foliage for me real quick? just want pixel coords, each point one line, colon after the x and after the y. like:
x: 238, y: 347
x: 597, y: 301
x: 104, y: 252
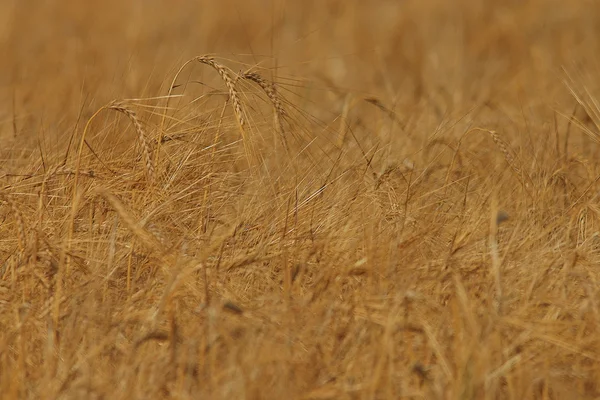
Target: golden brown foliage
x: 430, y: 229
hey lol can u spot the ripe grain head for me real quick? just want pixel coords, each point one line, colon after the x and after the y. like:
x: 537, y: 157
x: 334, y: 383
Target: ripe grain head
x: 142, y: 136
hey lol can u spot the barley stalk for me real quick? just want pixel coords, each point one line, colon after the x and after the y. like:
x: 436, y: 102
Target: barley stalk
x: 582, y: 219
x: 233, y: 95
x: 123, y: 108
x: 229, y: 82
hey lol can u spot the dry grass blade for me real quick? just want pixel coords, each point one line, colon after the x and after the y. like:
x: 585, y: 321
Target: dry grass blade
x: 391, y: 114
x: 146, y: 237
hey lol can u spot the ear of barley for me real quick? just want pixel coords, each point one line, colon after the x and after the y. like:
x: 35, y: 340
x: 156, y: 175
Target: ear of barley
x: 229, y: 82
x: 271, y: 92
x: 233, y: 95
x: 149, y: 163
x: 268, y: 88
x: 504, y: 149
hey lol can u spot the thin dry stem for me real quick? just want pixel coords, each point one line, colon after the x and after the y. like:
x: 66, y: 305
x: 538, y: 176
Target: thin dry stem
x: 146, y: 237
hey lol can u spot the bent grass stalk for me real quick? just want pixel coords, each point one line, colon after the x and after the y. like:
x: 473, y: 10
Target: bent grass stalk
x: 143, y: 137
x: 224, y: 73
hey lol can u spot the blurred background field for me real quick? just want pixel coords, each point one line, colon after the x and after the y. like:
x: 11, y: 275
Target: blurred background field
x: 408, y: 210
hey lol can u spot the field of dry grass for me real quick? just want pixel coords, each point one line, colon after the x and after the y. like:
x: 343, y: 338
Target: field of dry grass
x: 278, y: 199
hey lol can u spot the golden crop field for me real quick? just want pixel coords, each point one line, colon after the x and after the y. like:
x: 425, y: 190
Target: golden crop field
x: 299, y: 199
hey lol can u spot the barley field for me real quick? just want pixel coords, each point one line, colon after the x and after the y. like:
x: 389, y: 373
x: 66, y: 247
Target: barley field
x: 299, y: 199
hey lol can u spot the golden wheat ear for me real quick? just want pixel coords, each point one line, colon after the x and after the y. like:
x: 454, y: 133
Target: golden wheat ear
x: 229, y: 82
x: 142, y: 136
x: 271, y: 91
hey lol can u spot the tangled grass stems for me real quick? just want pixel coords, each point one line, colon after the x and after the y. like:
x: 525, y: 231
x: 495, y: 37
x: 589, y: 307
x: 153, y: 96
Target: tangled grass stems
x: 142, y: 136
x: 147, y: 238
x: 21, y: 235
x: 149, y: 165
x: 269, y: 89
